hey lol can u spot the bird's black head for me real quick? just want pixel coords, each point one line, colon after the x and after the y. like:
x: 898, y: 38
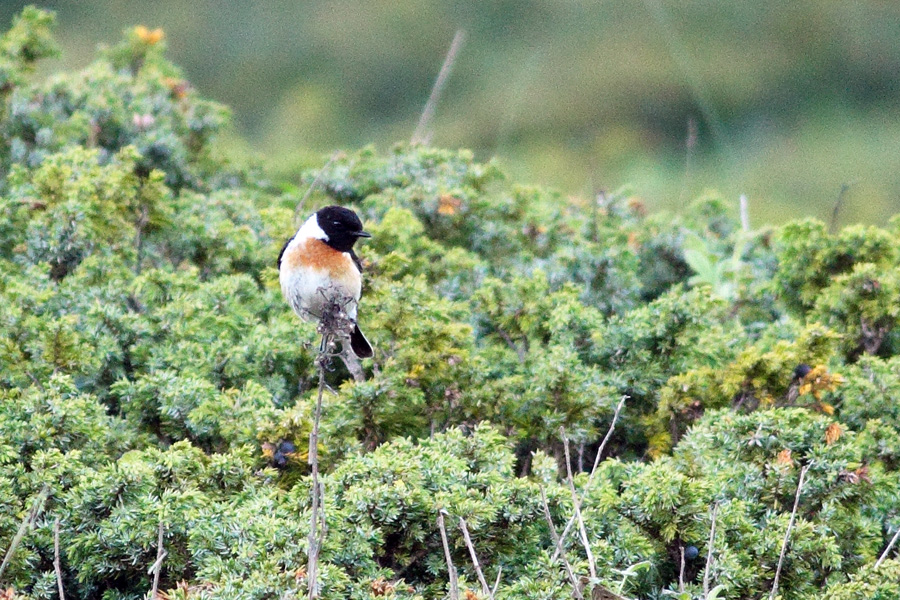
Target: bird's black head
x: 342, y: 227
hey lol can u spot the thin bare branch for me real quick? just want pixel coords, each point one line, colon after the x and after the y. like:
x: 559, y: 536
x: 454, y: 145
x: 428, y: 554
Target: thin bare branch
x: 322, y: 522
x: 709, y: 551
x: 888, y: 549
x: 519, y: 350
x: 497, y: 581
x: 681, y: 572
x: 559, y: 549
x: 608, y: 435
x: 485, y: 589
x: 421, y: 135
x: 56, y: 564
x: 451, y: 570
x: 27, y: 522
x: 787, y: 534
x: 156, y: 567
x: 576, y: 501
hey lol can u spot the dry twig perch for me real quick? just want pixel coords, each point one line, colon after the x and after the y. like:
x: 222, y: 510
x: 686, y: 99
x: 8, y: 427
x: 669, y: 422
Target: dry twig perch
x: 314, y: 542
x: 334, y: 324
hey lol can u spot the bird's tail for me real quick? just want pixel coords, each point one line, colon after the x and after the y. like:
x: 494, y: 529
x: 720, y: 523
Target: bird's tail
x: 360, y: 345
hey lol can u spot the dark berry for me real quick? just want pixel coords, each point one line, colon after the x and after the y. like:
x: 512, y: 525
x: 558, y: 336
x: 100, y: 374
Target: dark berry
x: 691, y: 552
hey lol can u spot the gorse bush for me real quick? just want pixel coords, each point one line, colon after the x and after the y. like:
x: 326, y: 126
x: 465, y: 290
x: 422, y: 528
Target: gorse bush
x: 154, y: 382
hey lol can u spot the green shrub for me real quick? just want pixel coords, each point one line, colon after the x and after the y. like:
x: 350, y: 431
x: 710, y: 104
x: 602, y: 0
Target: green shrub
x: 152, y: 377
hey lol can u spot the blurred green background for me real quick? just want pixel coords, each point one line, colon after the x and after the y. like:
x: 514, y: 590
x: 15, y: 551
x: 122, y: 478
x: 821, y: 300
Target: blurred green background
x: 791, y: 100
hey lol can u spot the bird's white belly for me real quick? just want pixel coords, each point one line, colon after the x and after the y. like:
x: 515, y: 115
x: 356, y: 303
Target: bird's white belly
x: 307, y: 290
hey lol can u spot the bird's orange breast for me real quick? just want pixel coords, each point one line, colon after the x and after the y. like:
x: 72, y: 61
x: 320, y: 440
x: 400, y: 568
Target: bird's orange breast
x: 315, y: 254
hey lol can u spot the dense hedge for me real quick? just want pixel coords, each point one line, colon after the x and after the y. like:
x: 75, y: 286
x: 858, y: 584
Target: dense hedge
x: 149, y: 370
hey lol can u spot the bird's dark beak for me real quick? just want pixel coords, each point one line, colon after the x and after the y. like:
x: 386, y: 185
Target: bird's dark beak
x: 363, y: 234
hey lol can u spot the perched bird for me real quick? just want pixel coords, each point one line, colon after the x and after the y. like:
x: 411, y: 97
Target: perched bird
x: 317, y: 267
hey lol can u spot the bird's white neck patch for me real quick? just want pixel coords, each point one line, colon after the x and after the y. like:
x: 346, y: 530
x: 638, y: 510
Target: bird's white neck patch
x: 311, y: 229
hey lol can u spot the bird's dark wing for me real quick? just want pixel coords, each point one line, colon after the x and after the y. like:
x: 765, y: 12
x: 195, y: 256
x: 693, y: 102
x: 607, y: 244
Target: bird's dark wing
x: 283, y: 248
x: 361, y: 346
x: 356, y: 260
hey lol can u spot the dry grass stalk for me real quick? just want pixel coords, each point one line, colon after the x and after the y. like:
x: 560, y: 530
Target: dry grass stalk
x: 421, y: 135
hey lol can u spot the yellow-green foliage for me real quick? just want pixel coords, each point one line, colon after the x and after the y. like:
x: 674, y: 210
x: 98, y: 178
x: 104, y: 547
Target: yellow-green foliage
x: 151, y: 374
